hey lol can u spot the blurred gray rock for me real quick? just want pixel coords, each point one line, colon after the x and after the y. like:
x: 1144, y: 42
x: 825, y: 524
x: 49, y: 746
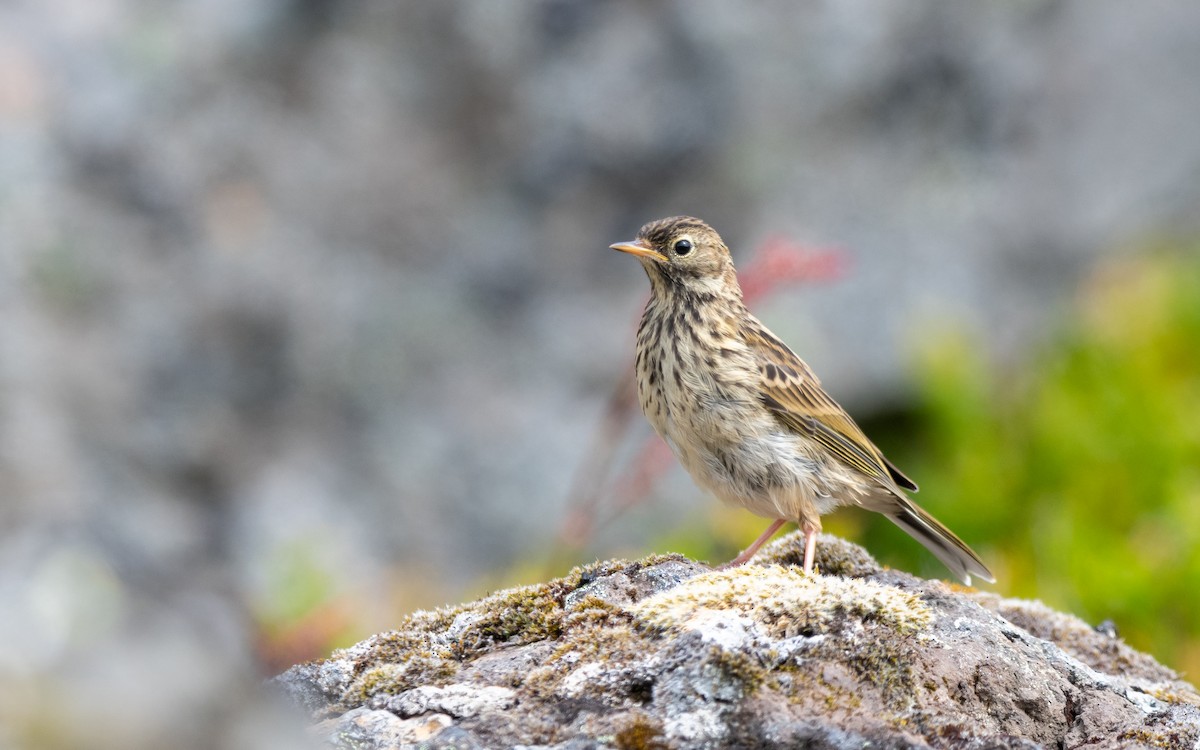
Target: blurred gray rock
x: 265, y: 261
x: 761, y: 656
x: 263, y: 265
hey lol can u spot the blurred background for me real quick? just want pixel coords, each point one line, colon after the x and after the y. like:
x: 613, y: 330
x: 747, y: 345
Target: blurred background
x: 307, y: 316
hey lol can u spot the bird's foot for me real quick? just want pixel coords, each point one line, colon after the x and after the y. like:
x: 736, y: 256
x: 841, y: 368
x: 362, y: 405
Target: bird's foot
x: 810, y: 545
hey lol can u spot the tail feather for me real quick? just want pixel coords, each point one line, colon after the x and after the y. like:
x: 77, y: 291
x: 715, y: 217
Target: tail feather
x: 941, y: 541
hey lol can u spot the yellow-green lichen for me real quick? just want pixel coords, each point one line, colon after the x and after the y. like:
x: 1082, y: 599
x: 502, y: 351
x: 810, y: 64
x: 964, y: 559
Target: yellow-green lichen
x: 606, y: 649
x: 831, y: 687
x: 742, y: 668
x: 883, y: 662
x: 785, y: 601
x: 1172, y: 694
x: 1172, y: 740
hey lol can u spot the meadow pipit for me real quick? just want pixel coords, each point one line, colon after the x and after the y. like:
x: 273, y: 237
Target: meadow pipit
x: 745, y: 416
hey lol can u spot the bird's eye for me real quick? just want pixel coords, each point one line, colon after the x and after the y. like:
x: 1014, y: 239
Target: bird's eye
x: 683, y: 247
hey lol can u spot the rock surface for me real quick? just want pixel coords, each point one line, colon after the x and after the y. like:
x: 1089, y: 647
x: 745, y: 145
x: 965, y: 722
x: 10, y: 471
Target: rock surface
x: 664, y: 653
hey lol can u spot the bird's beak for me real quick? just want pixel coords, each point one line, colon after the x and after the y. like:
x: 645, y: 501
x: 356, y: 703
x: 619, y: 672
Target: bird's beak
x: 639, y: 248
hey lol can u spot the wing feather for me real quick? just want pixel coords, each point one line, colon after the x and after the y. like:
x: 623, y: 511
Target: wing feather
x: 792, y: 391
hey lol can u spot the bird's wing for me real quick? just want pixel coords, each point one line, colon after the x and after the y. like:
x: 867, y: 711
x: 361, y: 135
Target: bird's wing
x: 792, y: 391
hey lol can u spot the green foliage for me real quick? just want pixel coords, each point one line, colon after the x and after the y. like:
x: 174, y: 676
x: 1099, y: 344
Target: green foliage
x: 1076, y: 474
x: 298, y: 584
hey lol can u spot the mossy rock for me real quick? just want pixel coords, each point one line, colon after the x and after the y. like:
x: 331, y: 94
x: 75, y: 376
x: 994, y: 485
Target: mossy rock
x: 665, y: 653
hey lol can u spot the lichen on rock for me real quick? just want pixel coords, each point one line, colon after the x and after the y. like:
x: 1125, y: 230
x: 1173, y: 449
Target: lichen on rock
x: 666, y: 653
x: 785, y: 601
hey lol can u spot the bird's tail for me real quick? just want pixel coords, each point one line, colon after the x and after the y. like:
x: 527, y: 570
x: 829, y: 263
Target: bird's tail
x: 941, y: 541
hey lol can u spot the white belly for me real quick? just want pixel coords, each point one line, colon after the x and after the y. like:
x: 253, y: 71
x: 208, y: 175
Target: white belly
x: 745, y: 458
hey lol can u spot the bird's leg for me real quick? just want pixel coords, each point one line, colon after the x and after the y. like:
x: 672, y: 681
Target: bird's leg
x: 810, y: 543
x: 748, y: 553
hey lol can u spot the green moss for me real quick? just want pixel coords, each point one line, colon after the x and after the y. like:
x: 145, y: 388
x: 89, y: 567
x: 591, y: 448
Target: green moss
x: 398, y: 646
x: 429, y: 647
x: 391, y: 679
x: 513, y: 617
x: 835, y: 556
x: 533, y: 613
x: 594, y: 612
x: 642, y: 733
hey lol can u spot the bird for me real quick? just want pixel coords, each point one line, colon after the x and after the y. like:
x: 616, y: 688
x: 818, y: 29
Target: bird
x: 745, y: 416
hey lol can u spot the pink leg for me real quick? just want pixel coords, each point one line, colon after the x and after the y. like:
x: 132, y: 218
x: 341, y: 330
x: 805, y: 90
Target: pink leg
x: 810, y: 545
x: 753, y: 548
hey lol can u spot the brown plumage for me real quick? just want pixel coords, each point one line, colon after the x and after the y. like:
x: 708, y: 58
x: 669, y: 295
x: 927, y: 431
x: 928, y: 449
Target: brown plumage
x: 748, y: 418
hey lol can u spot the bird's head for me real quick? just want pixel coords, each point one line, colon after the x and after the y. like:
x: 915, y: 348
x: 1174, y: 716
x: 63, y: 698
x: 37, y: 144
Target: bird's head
x: 683, y: 254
